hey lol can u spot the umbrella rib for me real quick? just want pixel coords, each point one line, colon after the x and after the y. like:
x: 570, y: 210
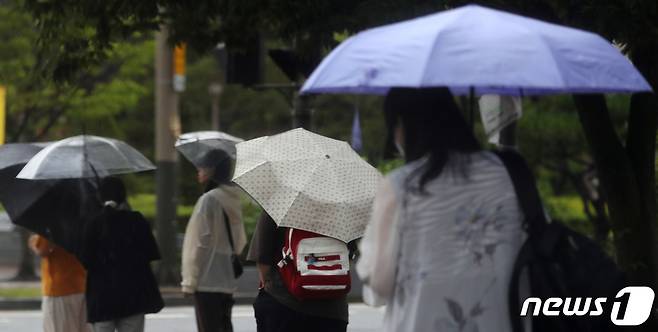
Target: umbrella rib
x: 299, y: 192
x: 553, y: 58
x: 115, y: 146
x: 434, y: 48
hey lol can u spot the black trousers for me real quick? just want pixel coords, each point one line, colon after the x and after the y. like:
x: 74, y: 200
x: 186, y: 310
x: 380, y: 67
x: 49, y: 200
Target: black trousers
x: 213, y: 311
x: 272, y: 316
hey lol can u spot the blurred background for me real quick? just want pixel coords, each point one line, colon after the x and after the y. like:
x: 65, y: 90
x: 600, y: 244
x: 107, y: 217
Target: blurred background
x: 249, y: 94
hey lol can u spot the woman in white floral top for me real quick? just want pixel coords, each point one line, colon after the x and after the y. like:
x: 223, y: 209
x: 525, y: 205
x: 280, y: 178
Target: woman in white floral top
x: 446, y: 227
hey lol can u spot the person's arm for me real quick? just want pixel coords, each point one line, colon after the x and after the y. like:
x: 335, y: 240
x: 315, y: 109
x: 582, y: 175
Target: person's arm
x: 151, y: 249
x: 378, y: 248
x: 90, y: 240
x: 263, y: 248
x: 263, y: 274
x: 196, y: 244
x: 40, y: 246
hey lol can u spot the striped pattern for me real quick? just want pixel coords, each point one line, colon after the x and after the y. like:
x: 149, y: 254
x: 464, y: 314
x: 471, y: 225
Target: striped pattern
x: 457, y: 247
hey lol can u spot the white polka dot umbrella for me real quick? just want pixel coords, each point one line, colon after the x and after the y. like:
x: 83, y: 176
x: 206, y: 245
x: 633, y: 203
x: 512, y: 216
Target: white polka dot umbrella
x: 308, y: 181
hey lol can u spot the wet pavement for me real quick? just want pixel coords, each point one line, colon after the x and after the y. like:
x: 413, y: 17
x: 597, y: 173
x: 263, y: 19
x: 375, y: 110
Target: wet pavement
x: 181, y: 319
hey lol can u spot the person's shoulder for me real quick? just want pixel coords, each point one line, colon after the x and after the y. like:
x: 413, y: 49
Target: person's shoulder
x: 208, y: 194
x: 223, y: 194
x: 227, y: 192
x: 130, y: 215
x: 135, y: 214
x: 487, y: 162
x: 400, y: 175
x: 211, y: 196
x: 488, y: 156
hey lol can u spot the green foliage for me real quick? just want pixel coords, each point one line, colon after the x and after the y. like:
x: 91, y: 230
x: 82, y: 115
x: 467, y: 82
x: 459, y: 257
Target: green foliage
x: 568, y: 209
x: 20, y: 292
x: 312, y: 26
x: 145, y: 203
x: 386, y: 167
x: 39, y: 109
x: 251, y: 211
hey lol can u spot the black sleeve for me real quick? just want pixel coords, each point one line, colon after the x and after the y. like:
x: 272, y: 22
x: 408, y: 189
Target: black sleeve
x: 149, y: 245
x: 265, y: 245
x: 89, y: 243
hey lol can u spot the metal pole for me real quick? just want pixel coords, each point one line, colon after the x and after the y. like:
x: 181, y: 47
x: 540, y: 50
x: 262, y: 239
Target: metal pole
x: 167, y: 129
x: 215, y: 91
x: 471, y: 107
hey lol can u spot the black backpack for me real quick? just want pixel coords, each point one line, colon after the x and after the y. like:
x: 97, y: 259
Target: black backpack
x: 559, y: 263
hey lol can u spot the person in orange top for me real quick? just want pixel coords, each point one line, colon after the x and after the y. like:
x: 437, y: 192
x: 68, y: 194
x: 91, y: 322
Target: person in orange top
x: 63, y: 286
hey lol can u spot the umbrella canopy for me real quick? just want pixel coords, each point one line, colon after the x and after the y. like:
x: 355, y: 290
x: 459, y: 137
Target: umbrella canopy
x: 307, y: 181
x: 12, y: 154
x: 85, y: 156
x: 473, y: 47
x: 18, y: 195
x: 56, y: 209
x: 195, y: 146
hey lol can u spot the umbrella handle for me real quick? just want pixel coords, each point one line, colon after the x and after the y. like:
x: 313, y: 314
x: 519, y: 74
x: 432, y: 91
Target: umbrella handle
x: 471, y: 97
x: 84, y: 154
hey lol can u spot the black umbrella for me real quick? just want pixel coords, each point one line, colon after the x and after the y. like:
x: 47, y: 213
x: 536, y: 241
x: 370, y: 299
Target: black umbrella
x: 61, y: 212
x: 17, y: 195
x: 56, y: 209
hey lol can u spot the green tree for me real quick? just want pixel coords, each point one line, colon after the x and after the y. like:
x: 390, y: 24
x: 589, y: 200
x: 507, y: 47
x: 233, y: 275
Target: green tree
x: 40, y: 110
x: 552, y: 140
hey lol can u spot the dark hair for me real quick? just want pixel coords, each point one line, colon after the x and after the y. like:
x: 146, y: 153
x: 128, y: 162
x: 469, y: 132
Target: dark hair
x: 112, y: 189
x: 221, y: 164
x: 433, y: 126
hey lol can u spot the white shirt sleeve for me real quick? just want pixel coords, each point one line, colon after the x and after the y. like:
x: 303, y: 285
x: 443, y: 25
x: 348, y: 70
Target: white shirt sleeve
x: 196, y: 244
x: 379, y: 247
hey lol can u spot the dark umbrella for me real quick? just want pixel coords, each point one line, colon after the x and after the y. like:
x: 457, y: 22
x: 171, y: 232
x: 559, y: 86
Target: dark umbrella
x: 56, y: 209
x: 61, y: 212
x: 17, y: 195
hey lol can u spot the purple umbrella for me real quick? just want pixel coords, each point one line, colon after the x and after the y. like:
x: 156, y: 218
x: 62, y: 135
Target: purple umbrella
x: 480, y: 50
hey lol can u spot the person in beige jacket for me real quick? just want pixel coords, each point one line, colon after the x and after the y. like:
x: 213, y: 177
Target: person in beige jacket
x: 207, y: 270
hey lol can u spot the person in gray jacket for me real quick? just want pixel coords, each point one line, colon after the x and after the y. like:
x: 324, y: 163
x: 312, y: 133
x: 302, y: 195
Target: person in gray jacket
x: 207, y: 268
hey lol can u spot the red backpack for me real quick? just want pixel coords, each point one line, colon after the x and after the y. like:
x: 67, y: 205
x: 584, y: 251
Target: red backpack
x: 314, y: 266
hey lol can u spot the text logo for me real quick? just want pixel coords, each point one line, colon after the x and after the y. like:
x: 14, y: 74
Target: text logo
x: 631, y: 307
x: 634, y: 306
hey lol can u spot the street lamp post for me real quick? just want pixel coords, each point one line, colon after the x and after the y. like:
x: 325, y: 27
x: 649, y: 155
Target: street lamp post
x: 215, y: 91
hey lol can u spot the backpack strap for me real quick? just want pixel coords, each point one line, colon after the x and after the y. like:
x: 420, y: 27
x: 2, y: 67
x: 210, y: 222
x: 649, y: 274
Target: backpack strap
x: 228, y: 229
x: 534, y: 220
x: 525, y: 188
x: 286, y: 253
